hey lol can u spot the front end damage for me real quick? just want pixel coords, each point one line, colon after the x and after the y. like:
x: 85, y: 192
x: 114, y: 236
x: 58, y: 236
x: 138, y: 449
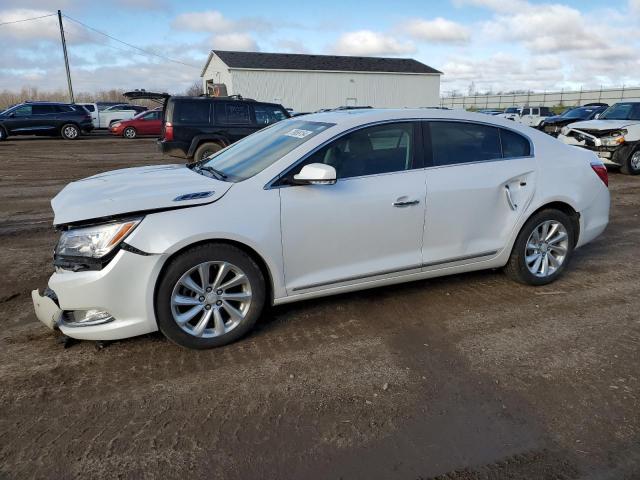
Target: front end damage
x: 612, y: 146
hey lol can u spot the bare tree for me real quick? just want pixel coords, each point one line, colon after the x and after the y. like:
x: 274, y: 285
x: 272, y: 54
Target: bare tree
x: 194, y: 90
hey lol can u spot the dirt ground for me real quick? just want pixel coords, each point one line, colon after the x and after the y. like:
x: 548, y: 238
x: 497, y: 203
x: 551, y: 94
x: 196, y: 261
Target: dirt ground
x: 464, y: 377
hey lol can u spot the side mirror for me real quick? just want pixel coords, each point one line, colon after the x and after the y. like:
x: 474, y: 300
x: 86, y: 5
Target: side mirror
x: 315, y: 174
x: 12, y: 115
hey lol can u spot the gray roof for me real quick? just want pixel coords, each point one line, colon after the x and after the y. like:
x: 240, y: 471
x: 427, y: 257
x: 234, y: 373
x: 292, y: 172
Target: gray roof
x: 296, y: 61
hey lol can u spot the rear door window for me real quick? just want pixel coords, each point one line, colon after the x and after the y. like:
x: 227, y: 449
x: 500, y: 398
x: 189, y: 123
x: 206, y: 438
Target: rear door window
x: 462, y: 142
x: 232, y: 113
x: 43, y: 109
x: 191, y: 112
x: 91, y: 108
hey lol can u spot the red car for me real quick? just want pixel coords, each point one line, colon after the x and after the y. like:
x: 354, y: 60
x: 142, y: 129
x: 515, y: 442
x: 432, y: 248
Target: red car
x: 145, y: 123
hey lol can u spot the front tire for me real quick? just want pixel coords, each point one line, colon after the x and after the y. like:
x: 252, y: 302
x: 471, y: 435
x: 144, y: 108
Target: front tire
x: 205, y: 150
x: 209, y: 296
x: 3, y: 134
x: 70, y: 131
x: 631, y: 165
x: 543, y: 248
x: 129, y: 132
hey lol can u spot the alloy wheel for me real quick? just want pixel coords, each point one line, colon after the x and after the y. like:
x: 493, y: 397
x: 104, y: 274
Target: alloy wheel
x: 546, y: 248
x: 211, y: 299
x: 70, y: 132
x: 129, y: 132
x: 635, y: 161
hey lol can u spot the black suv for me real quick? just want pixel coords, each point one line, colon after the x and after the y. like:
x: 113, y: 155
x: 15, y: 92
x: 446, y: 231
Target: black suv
x: 196, y: 127
x: 45, y: 118
x: 553, y: 125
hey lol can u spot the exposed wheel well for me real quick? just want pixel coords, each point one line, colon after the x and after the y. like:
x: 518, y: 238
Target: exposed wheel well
x: 248, y: 250
x: 220, y: 141
x: 567, y: 210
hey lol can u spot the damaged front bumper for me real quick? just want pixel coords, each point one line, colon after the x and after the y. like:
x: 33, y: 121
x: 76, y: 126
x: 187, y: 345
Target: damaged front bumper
x: 109, y: 304
x: 46, y: 307
x: 610, y: 155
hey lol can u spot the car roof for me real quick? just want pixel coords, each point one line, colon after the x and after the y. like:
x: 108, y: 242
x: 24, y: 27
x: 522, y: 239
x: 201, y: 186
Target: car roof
x: 354, y: 118
x: 221, y: 99
x: 29, y: 102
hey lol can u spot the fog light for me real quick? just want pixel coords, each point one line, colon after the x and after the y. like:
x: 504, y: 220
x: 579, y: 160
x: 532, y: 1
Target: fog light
x: 86, y: 318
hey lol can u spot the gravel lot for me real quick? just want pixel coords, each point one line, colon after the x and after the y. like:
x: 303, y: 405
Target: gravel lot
x: 465, y: 377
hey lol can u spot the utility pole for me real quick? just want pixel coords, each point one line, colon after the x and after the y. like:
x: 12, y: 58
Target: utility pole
x: 66, y: 58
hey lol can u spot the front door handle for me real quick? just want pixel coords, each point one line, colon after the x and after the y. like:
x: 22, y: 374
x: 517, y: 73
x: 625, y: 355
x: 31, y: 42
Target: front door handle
x: 406, y: 204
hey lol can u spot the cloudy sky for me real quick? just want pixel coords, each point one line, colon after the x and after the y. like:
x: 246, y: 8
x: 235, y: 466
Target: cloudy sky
x: 496, y: 44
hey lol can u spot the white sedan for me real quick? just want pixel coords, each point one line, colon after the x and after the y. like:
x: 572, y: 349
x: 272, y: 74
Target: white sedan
x: 313, y: 206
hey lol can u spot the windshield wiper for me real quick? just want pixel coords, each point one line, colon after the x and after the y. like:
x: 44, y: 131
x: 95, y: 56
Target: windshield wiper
x: 214, y: 171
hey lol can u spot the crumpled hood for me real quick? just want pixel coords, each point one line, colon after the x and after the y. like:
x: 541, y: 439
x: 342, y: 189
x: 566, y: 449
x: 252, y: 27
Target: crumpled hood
x: 132, y: 190
x: 602, y: 124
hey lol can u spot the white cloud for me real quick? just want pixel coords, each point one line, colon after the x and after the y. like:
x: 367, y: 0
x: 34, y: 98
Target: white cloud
x: 34, y: 30
x: 503, y: 6
x: 215, y: 22
x: 438, y: 30
x: 234, y: 41
x: 368, y: 43
x: 634, y: 6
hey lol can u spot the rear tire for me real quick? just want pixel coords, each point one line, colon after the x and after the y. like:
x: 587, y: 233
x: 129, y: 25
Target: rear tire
x: 206, y: 149
x: 540, y: 256
x: 70, y: 131
x: 214, y: 279
x: 631, y: 165
x: 129, y: 132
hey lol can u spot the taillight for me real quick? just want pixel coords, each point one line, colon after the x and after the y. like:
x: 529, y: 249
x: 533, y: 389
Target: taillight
x: 168, y: 131
x: 601, y: 171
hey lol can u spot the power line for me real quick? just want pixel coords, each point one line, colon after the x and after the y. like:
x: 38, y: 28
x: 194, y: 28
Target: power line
x: 27, y: 19
x: 146, y: 52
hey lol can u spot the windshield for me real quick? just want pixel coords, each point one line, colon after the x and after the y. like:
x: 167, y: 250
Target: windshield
x: 256, y: 152
x: 578, y: 113
x: 622, y: 111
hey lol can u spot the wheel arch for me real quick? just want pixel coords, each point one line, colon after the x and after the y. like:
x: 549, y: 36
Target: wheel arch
x: 200, y: 139
x: 260, y: 261
x: 565, y: 208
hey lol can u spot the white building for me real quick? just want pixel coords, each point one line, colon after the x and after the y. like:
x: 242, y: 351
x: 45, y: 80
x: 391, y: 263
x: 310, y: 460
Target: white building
x: 310, y: 82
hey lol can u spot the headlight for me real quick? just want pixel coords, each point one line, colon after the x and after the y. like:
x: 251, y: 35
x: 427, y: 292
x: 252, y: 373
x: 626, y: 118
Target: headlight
x: 615, y: 139
x: 116, y: 125
x: 95, y: 241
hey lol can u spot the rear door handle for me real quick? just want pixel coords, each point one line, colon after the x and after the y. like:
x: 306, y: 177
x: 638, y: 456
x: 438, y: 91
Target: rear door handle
x: 406, y: 204
x: 507, y: 192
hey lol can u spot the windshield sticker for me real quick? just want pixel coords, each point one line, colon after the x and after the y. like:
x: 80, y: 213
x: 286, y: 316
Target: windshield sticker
x: 298, y: 133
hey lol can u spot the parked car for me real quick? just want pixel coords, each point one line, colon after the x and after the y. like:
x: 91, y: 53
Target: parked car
x: 104, y: 115
x: 533, y: 116
x: 196, y: 127
x: 313, y: 206
x: 145, y: 123
x: 489, y: 111
x: 124, y: 107
x: 614, y: 136
x: 45, y: 119
x: 511, y: 113
x: 553, y: 125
